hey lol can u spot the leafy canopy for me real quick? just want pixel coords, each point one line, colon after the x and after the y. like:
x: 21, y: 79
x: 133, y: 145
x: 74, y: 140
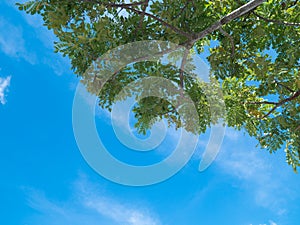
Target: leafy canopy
x: 255, y: 59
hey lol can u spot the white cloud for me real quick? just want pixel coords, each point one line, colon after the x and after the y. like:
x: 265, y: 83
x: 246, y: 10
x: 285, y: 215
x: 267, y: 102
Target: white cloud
x: 12, y: 42
x: 121, y: 213
x: 4, y: 84
x: 57, y: 62
x: 272, y: 222
x: 255, y: 172
x: 89, y: 205
x: 41, y: 32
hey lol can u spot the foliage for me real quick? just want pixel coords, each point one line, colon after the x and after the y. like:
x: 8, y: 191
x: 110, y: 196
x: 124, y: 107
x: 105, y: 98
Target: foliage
x: 256, y: 59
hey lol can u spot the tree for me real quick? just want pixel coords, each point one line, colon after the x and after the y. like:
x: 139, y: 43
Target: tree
x: 261, y: 90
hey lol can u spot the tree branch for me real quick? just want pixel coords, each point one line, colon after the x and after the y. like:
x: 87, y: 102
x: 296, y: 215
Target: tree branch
x: 121, y: 5
x: 293, y: 4
x: 276, y: 21
x: 295, y: 95
x: 297, y: 128
x: 125, y: 4
x: 231, y: 16
x: 286, y: 87
x: 248, y: 7
x: 175, y: 29
x: 183, y: 62
x: 264, y: 102
x: 143, y: 15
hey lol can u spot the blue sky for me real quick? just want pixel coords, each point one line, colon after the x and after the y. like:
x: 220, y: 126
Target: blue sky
x: 45, y: 180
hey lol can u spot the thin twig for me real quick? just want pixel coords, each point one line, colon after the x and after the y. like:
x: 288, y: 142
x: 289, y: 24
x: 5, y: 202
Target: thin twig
x: 121, y: 5
x: 286, y: 87
x: 183, y: 62
x: 293, y: 4
x: 175, y: 29
x: 144, y: 7
x: 230, y: 39
x: 261, y: 103
x: 281, y: 103
x: 183, y: 8
x: 276, y: 21
x: 129, y: 6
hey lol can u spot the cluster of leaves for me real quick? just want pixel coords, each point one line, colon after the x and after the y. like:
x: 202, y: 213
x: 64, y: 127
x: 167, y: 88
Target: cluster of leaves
x: 256, y: 59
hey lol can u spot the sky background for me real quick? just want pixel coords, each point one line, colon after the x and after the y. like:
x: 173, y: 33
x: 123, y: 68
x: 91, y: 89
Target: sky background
x: 45, y: 180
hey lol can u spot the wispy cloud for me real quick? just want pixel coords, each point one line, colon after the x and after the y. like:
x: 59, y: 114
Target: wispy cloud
x: 121, y: 212
x: 118, y: 212
x: 256, y: 172
x: 35, y: 21
x: 15, y: 45
x: 89, y: 205
x: 272, y: 222
x: 4, y: 84
x: 12, y: 42
x: 57, y: 62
